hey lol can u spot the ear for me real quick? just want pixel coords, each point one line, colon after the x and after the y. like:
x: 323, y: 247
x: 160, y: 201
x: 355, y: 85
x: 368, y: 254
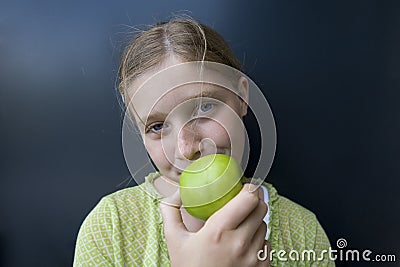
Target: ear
x: 243, y: 91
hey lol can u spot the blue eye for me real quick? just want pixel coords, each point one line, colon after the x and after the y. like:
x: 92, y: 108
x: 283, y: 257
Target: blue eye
x: 156, y: 128
x: 205, y: 107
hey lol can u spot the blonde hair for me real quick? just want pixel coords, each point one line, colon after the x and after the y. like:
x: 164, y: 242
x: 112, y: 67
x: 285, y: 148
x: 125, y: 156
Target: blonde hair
x: 184, y: 37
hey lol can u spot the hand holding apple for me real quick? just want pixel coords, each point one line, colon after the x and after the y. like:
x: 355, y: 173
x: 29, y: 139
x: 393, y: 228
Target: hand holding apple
x: 240, y: 221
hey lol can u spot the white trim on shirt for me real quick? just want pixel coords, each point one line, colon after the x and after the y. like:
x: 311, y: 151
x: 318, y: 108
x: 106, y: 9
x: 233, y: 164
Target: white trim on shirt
x: 267, y: 217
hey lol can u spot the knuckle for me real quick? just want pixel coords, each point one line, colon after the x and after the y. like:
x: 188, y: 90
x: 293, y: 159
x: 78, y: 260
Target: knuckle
x: 240, y: 247
x: 252, y: 199
x: 216, y: 235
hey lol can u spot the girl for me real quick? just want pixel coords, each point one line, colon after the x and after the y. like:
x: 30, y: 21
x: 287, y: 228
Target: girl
x: 146, y: 225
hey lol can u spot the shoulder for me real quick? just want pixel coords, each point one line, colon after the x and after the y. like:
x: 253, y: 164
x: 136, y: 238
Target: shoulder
x: 129, y: 205
x: 287, y: 208
x: 124, y: 204
x: 294, y: 225
x: 122, y: 221
x: 295, y: 228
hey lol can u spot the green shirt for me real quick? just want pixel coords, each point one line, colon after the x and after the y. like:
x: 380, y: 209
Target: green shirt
x: 126, y: 229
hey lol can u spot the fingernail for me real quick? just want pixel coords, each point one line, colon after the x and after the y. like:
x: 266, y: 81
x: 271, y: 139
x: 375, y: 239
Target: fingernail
x: 252, y: 187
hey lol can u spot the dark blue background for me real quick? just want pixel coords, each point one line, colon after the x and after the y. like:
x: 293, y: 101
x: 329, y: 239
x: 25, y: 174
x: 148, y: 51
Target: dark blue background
x: 329, y: 69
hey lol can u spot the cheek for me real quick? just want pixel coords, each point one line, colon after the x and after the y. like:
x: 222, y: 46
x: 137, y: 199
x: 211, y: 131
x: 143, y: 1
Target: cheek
x: 156, y: 153
x: 222, y: 133
x: 227, y: 132
x: 219, y: 135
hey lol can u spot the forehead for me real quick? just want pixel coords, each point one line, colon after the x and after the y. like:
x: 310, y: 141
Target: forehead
x: 174, y: 98
x: 173, y: 85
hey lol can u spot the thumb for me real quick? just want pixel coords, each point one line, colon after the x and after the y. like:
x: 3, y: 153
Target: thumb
x: 172, y: 217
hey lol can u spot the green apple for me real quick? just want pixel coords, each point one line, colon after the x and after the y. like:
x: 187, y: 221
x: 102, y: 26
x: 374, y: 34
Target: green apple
x: 208, y: 183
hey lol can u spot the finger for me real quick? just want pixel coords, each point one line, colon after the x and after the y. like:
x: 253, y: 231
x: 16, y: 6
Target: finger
x: 250, y: 225
x: 267, y: 246
x: 264, y: 255
x: 258, y: 239
x: 257, y: 243
x: 235, y: 211
x: 172, y: 217
x: 253, y: 187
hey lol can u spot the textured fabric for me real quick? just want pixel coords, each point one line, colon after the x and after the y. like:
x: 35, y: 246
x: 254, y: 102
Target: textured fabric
x: 126, y: 229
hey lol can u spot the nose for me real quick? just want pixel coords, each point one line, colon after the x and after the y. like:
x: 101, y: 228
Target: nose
x: 188, y: 143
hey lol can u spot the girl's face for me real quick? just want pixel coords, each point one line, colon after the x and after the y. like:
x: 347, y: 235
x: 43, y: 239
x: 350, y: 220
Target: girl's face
x: 189, y: 121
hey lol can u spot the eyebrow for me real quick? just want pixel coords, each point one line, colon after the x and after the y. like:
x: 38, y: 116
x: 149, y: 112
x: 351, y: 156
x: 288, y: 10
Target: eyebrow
x: 206, y: 93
